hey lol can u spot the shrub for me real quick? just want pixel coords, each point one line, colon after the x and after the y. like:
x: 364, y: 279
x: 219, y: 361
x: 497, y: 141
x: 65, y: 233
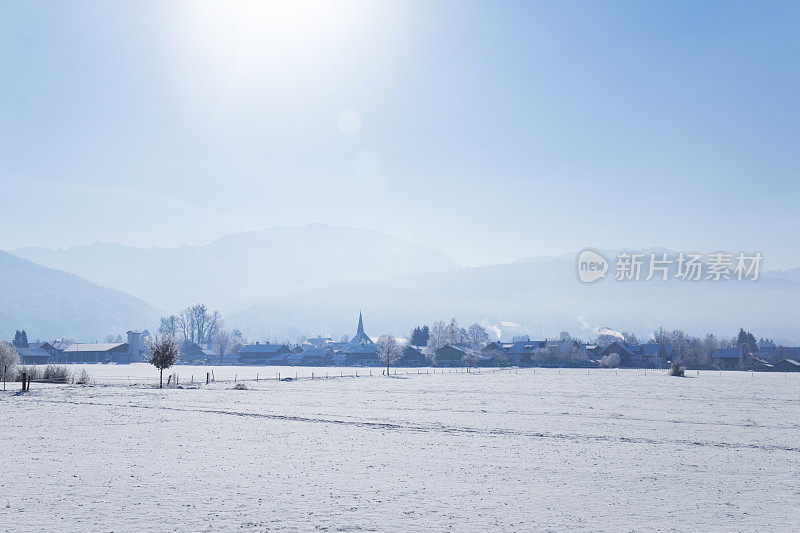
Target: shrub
x: 240, y: 386
x: 677, y: 369
x: 612, y: 360
x: 31, y: 371
x: 82, y: 377
x: 56, y: 374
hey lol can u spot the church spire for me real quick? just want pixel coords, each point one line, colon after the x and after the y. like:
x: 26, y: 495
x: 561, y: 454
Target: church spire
x: 360, y: 331
x: 361, y: 338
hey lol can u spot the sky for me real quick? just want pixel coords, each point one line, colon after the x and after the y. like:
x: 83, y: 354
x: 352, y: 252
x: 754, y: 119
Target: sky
x: 490, y: 130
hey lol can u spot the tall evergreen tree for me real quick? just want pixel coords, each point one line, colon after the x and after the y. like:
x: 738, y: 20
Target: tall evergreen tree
x: 420, y: 336
x: 20, y: 339
x: 746, y: 342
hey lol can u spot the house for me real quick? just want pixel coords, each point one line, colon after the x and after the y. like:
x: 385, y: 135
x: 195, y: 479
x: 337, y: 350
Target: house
x: 654, y: 355
x: 47, y: 347
x: 191, y: 352
x: 776, y: 353
x: 728, y: 358
x: 760, y: 365
x: 787, y: 365
x: 626, y: 352
x: 310, y: 356
x: 102, y: 352
x: 648, y: 355
x: 231, y: 358
x: 519, y: 353
x: 264, y: 354
x: 568, y: 352
x: 412, y: 356
x: 58, y: 349
x: 33, y: 356
x: 360, y: 351
x: 449, y: 356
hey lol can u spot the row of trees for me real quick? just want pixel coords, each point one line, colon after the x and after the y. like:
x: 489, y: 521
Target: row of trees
x: 196, y: 324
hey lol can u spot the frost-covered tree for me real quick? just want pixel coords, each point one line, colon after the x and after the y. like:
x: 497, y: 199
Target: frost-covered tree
x: 470, y: 357
x: 477, y: 336
x: 9, y: 359
x: 170, y: 325
x: 164, y: 352
x: 564, y: 336
x: 199, y: 325
x: 436, y: 339
x: 223, y: 343
x: 612, y: 360
x: 455, y: 335
x: 388, y: 350
x: 630, y: 338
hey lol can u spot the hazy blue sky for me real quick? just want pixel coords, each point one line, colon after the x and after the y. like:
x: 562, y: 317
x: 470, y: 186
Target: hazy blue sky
x: 491, y: 131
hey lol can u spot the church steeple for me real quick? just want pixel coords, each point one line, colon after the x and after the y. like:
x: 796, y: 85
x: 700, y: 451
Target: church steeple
x: 360, y: 331
x: 361, y: 338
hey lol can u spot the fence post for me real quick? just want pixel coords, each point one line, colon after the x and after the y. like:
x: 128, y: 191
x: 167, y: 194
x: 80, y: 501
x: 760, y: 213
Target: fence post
x: 24, y: 381
x: 208, y: 377
x: 256, y: 377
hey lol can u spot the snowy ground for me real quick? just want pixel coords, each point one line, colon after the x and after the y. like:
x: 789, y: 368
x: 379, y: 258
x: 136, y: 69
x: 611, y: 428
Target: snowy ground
x: 513, y: 450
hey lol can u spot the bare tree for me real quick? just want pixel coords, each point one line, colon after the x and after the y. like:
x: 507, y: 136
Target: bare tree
x: 163, y: 353
x: 455, y: 335
x: 223, y: 342
x: 477, y: 336
x: 471, y: 356
x: 195, y: 324
x: 437, y: 338
x: 630, y: 338
x: 170, y: 325
x: 388, y: 350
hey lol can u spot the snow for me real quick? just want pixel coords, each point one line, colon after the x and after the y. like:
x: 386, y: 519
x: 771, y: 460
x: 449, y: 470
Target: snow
x: 508, y: 450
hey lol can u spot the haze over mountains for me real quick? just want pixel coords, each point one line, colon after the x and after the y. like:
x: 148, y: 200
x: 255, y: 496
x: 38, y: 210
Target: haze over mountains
x: 239, y: 270
x: 286, y: 282
x: 50, y: 303
x: 539, y: 298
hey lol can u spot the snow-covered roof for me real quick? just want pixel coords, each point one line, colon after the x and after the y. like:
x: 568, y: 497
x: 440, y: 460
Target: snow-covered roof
x: 96, y: 347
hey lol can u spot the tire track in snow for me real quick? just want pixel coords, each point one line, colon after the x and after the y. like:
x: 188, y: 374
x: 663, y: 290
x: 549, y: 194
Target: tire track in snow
x: 450, y: 430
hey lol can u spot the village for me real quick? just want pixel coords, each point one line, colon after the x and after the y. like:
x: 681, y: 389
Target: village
x: 444, y: 345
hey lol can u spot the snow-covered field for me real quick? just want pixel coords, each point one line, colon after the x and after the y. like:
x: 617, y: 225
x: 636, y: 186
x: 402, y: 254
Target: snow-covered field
x: 512, y: 450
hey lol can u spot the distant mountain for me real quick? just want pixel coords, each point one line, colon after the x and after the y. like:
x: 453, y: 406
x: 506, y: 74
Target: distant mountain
x: 239, y: 270
x: 540, y: 298
x: 50, y: 304
x: 792, y: 274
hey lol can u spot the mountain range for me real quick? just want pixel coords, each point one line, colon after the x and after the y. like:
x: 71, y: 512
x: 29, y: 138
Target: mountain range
x: 49, y: 304
x: 239, y: 270
x: 287, y: 282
